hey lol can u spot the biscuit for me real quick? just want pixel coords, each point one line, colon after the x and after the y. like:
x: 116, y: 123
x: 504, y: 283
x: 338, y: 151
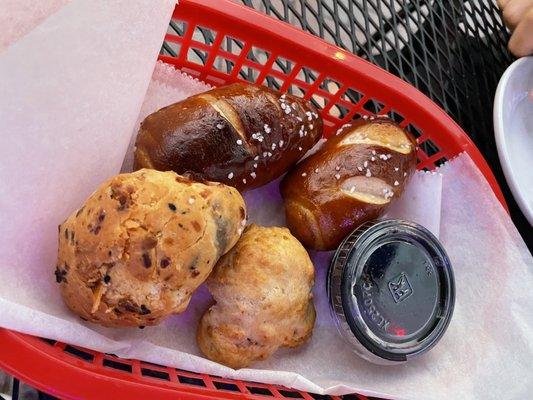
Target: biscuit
x: 142, y: 243
x: 263, y: 294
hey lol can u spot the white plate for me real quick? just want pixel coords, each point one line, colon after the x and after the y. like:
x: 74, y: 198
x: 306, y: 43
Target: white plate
x: 513, y: 128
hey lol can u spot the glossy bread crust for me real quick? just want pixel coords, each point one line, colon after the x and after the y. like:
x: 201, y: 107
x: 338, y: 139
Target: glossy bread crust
x: 350, y: 180
x: 241, y: 135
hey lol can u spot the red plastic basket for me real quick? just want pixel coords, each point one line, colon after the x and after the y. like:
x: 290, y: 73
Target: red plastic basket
x: 344, y: 84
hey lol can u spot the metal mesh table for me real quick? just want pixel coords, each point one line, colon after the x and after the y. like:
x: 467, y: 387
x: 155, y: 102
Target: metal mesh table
x: 454, y: 51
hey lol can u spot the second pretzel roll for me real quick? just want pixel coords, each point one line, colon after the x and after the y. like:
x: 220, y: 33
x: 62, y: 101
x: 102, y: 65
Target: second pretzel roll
x: 350, y: 180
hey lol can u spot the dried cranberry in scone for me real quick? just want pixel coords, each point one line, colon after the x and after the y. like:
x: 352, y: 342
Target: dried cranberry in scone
x: 350, y: 180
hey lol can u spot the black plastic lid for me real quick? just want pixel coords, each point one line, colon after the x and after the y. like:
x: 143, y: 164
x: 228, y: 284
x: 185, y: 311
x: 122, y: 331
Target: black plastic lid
x: 397, y: 288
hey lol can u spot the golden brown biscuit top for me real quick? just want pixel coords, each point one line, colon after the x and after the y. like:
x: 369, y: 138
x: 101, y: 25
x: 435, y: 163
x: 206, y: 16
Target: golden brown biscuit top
x: 144, y: 241
x: 262, y: 289
x: 263, y: 265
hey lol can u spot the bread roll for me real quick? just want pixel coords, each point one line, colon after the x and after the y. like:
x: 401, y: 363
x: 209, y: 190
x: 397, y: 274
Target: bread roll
x: 241, y: 135
x: 262, y: 289
x: 350, y: 180
x: 142, y: 243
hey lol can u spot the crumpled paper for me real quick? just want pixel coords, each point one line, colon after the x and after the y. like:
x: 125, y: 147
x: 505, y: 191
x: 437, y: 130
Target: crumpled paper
x: 50, y: 164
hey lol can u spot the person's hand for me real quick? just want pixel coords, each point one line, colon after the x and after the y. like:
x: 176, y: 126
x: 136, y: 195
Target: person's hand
x: 518, y: 16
